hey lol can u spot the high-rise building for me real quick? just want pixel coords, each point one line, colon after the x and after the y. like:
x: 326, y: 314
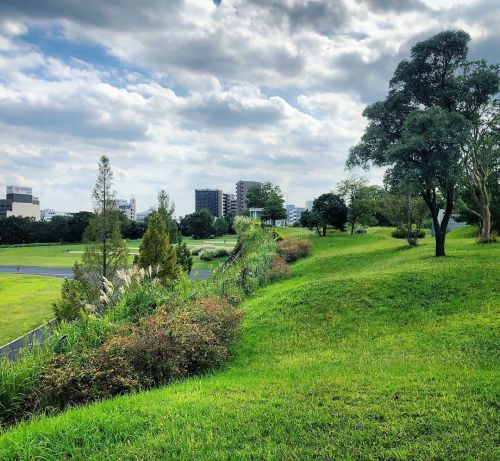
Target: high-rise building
x: 211, y: 199
x: 128, y: 208
x: 293, y: 214
x: 241, y: 195
x: 19, y: 201
x: 309, y: 205
x: 229, y: 204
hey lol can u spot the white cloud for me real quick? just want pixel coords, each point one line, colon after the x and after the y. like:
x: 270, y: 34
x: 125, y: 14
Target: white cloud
x: 185, y: 94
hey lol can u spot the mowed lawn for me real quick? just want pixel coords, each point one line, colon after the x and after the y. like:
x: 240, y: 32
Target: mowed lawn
x: 371, y: 350
x: 66, y: 255
x: 25, y: 303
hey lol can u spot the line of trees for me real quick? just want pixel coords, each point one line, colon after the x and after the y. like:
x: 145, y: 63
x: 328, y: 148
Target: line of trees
x: 16, y: 230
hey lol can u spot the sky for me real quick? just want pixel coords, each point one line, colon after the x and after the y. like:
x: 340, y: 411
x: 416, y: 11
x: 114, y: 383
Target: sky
x: 186, y: 94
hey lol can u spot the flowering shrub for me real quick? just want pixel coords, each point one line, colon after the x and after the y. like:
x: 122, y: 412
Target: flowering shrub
x: 292, y: 249
x: 173, y: 343
x: 279, y: 269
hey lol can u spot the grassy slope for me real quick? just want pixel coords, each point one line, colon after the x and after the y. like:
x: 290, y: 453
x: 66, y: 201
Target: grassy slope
x: 370, y: 351
x: 57, y: 255
x: 25, y: 303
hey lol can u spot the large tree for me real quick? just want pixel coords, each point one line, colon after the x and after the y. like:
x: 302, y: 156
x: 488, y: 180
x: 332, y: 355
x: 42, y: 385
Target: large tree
x: 481, y: 160
x: 105, y: 251
x: 312, y: 220
x: 199, y: 224
x: 268, y: 197
x: 418, y: 131
x: 332, y: 210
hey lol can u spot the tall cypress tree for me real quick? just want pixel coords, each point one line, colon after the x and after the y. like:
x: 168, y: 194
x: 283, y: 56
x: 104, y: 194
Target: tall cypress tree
x: 156, y: 250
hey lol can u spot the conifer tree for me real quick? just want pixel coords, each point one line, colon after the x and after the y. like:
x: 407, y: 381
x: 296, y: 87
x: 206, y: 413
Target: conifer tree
x: 156, y: 250
x: 166, y: 209
x: 105, y: 251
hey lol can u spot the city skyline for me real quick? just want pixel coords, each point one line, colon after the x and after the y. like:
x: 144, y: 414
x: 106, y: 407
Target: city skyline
x: 272, y: 91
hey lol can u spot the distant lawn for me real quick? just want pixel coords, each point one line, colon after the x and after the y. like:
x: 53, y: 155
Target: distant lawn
x: 66, y: 255
x: 371, y: 350
x: 25, y: 303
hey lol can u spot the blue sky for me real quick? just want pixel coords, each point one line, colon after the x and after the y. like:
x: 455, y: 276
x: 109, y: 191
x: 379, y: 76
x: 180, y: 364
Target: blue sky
x: 196, y: 93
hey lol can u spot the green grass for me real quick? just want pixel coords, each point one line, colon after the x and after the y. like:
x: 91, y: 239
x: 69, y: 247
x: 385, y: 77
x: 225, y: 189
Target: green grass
x: 67, y: 254
x: 371, y: 350
x: 25, y: 303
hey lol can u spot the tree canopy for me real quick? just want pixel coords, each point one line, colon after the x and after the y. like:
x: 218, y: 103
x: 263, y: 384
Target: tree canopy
x: 419, y: 129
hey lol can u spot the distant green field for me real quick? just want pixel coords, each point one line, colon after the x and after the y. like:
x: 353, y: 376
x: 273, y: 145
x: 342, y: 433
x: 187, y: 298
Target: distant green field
x: 371, y: 350
x: 25, y: 303
x: 66, y: 255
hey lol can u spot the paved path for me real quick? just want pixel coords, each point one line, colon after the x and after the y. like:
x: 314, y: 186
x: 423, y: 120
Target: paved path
x: 67, y: 272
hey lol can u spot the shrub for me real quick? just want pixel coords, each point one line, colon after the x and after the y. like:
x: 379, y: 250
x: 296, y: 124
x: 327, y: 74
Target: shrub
x: 207, y: 255
x: 403, y: 234
x: 196, y: 251
x: 279, y: 269
x: 73, y: 379
x: 292, y: 249
x: 174, y: 343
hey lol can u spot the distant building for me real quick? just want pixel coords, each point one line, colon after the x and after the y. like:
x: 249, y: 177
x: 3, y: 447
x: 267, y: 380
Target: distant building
x: 19, y: 201
x: 309, y: 205
x: 143, y: 215
x: 48, y: 213
x: 128, y: 208
x: 293, y: 214
x: 241, y: 195
x: 256, y: 213
x: 211, y: 199
x: 229, y: 204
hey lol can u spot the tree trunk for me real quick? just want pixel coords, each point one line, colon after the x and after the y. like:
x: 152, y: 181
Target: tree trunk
x: 440, y: 240
x: 324, y: 231
x: 353, y: 222
x: 486, y: 224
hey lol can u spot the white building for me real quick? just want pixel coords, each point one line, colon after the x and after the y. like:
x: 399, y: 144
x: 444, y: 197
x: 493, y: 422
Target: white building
x: 309, y: 205
x: 20, y: 202
x: 143, y: 215
x: 127, y: 207
x: 48, y: 213
x: 255, y: 213
x: 293, y: 214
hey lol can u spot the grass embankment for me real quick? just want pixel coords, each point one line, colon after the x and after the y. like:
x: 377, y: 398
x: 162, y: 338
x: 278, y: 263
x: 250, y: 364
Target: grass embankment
x: 25, y: 303
x: 66, y: 255
x: 370, y: 351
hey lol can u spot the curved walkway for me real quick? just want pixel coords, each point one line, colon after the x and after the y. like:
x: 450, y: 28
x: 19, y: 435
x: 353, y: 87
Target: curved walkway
x: 67, y: 272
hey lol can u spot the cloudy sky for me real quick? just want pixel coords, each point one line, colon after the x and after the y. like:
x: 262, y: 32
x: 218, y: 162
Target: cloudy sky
x: 184, y: 94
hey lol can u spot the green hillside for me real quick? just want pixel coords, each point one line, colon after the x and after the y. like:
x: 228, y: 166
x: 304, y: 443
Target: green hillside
x: 370, y: 350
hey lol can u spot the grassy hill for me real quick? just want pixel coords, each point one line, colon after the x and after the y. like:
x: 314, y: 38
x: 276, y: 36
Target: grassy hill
x: 370, y: 350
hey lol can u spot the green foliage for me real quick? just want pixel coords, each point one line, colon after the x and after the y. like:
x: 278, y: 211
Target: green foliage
x: 199, y: 224
x: 332, y: 211
x: 419, y: 129
x: 270, y: 198
x: 166, y: 209
x: 72, y: 300
x: 105, y: 251
x: 184, y: 258
x: 156, y: 250
x: 220, y: 226
x: 408, y: 235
